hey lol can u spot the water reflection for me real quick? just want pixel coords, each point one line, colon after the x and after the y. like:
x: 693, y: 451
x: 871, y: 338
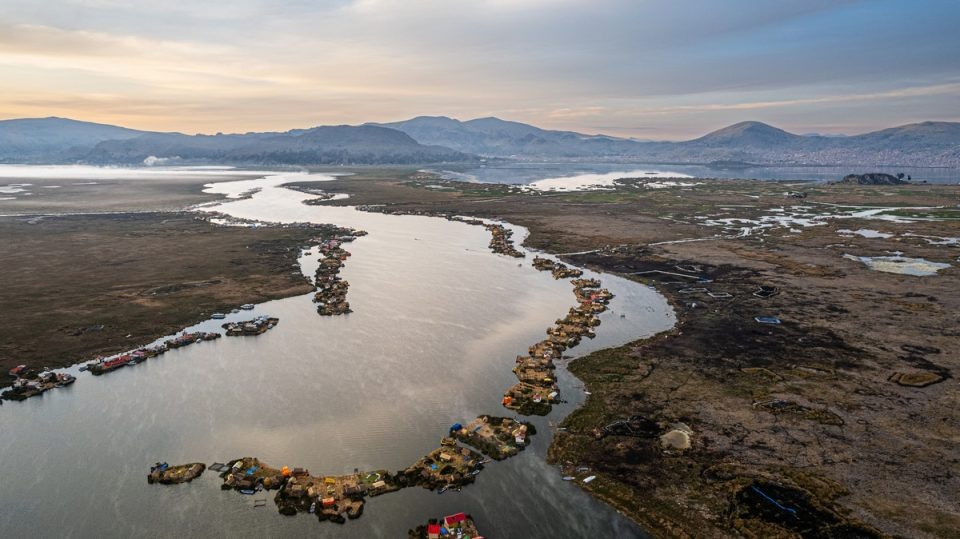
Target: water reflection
x: 437, y: 323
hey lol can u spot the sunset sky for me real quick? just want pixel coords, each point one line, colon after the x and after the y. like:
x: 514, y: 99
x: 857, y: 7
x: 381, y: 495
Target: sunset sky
x: 645, y: 69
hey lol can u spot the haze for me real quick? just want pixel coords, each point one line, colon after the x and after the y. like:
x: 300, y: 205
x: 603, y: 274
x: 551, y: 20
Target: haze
x: 646, y: 69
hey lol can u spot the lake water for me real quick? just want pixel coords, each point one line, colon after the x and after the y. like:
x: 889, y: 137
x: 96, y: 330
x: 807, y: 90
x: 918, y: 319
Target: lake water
x: 438, y: 320
x: 529, y: 172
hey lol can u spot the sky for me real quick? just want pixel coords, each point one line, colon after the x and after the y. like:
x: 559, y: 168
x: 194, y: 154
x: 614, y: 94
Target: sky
x: 649, y: 69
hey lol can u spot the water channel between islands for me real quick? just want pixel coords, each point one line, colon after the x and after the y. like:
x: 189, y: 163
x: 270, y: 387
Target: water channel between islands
x: 438, y: 321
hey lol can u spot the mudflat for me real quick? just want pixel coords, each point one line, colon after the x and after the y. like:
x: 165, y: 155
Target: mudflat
x: 804, y: 391
x: 80, y: 285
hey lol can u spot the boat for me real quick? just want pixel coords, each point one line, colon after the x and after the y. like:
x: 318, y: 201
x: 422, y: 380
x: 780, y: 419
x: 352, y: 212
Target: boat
x: 247, y: 306
x: 568, y: 478
x: 18, y: 370
x: 234, y: 311
x: 443, y: 489
x: 248, y: 491
x: 589, y: 479
x: 218, y: 316
x: 313, y: 507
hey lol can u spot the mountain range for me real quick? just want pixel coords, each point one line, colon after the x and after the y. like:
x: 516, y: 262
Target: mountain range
x: 437, y: 139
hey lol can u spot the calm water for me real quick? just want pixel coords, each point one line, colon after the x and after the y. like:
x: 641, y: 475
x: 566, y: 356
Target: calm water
x: 523, y: 173
x: 438, y: 321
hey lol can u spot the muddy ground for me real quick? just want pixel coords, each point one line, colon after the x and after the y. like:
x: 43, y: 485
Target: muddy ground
x: 799, y: 429
x: 84, y: 195
x: 81, y: 285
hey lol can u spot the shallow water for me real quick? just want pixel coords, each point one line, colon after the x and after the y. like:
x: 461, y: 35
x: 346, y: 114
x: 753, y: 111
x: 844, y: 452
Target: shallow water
x: 917, y: 267
x: 437, y: 322
x: 528, y: 172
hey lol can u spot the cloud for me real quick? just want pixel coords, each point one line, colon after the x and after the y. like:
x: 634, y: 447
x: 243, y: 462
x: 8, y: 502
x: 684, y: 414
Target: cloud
x: 254, y: 64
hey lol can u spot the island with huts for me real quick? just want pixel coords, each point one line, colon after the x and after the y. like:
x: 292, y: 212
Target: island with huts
x: 30, y: 382
x: 331, y: 289
x: 257, y: 326
x: 338, y: 498
x: 536, y: 388
x: 165, y: 474
x: 103, y: 365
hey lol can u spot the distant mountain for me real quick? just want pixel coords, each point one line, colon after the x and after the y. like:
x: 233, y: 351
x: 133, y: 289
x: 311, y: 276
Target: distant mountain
x: 501, y: 138
x: 924, y: 144
x: 434, y: 139
x: 343, y: 144
x: 54, y: 139
x: 747, y: 134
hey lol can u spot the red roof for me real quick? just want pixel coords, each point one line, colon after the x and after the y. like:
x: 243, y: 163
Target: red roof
x: 433, y: 530
x: 455, y: 519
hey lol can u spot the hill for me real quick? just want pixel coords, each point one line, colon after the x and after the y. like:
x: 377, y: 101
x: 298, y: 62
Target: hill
x: 502, y: 138
x: 433, y: 139
x: 922, y: 144
x: 747, y: 134
x: 54, y: 139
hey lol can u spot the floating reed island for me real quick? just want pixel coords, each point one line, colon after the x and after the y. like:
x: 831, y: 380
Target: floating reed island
x: 558, y: 269
x: 257, y: 326
x: 536, y: 388
x: 501, y: 242
x: 104, y: 365
x: 166, y: 474
x: 331, y: 294
x: 32, y: 382
x: 337, y: 498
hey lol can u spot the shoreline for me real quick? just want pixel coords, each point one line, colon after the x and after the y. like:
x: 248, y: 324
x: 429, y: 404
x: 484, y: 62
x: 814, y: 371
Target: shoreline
x: 107, y: 316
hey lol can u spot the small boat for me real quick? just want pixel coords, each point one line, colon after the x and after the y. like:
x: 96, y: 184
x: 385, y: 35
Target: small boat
x: 248, y: 491
x: 234, y: 311
x: 247, y: 306
x: 568, y: 478
x: 218, y: 316
x: 588, y: 479
x: 443, y: 489
x: 475, y: 472
x: 313, y: 507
